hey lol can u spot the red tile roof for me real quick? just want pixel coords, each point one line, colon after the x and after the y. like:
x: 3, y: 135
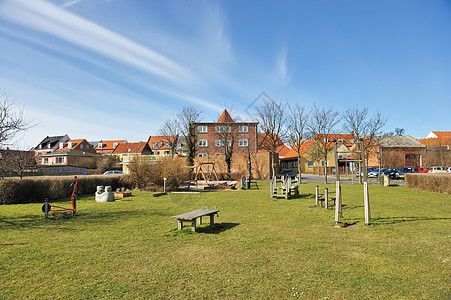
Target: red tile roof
x: 159, y: 142
x: 225, y: 117
x: 293, y: 153
x: 442, y: 134
x: 264, y: 141
x: 440, y: 141
x: 134, y: 147
x: 74, y: 144
x: 108, y: 144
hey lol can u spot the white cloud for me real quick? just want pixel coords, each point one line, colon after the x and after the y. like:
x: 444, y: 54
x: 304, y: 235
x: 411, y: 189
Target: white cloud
x: 53, y: 20
x: 69, y: 3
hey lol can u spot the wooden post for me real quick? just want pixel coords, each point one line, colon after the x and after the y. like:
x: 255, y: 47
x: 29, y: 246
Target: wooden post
x: 200, y: 221
x: 212, y: 219
x: 317, y: 196
x: 326, y: 197
x: 180, y: 225
x: 366, y: 203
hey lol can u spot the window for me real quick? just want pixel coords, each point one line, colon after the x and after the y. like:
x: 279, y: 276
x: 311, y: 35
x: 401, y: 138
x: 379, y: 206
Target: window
x: 81, y: 146
x: 60, y: 160
x: 324, y: 163
x: 115, y: 145
x: 221, y: 129
x: 202, y: 143
x: 45, y: 160
x: 154, y: 145
x: 219, y: 153
x: 243, y: 143
x: 166, y: 145
x: 310, y: 163
x: 202, y: 155
x: 220, y: 143
x: 202, y: 129
x: 242, y: 129
x: 87, y: 146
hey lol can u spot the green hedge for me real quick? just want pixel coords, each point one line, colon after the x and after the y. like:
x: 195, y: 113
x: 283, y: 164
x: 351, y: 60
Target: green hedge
x: 14, y: 191
x: 430, y: 182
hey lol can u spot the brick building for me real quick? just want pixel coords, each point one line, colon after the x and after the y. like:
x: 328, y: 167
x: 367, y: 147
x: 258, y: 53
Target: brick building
x: 212, y: 136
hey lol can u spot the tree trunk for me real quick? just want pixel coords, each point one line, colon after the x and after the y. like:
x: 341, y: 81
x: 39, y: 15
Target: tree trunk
x: 299, y: 168
x: 325, y: 170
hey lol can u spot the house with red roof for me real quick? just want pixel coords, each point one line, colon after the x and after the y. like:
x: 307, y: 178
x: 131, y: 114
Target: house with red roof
x: 106, y: 147
x: 129, y: 151
x: 70, y: 153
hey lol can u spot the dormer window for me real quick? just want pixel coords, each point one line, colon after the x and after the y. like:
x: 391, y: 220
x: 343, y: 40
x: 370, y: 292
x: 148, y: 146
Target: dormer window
x: 115, y: 145
x: 99, y: 146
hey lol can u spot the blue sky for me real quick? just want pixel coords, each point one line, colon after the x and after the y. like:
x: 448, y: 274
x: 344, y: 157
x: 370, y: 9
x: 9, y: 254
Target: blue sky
x: 117, y: 69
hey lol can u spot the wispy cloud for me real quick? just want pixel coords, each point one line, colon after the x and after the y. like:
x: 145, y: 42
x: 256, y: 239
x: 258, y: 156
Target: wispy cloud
x: 281, y: 66
x: 53, y: 20
x: 69, y: 3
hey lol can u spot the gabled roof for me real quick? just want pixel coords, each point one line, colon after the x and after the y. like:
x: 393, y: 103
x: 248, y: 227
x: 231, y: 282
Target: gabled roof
x: 399, y: 142
x: 441, y: 134
x: 50, y: 140
x: 264, y: 140
x: 134, y: 147
x: 225, y: 117
x: 159, y: 142
x: 436, y: 142
x: 293, y: 153
x: 108, y: 144
x: 339, y: 137
x: 283, y: 150
x: 74, y: 144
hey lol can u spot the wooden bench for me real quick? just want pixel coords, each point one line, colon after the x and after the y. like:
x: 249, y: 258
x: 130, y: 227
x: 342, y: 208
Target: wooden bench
x: 191, y: 217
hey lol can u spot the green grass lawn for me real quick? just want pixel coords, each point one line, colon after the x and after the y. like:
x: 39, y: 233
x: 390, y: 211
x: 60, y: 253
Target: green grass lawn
x: 259, y: 248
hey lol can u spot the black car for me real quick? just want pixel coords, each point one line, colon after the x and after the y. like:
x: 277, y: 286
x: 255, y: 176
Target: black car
x: 392, y: 173
x: 407, y: 170
x: 287, y: 172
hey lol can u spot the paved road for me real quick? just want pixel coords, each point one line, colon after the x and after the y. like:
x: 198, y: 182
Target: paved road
x: 331, y: 179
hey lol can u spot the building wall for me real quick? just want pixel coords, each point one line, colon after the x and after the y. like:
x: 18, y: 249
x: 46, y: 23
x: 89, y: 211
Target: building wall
x: 211, y: 136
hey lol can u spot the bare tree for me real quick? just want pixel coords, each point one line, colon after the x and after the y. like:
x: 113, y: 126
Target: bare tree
x: 227, y: 133
x: 187, y: 117
x: 322, y: 124
x: 12, y: 120
x: 16, y: 161
x: 170, y: 131
x: 357, y: 121
x: 271, y: 118
x: 297, y: 121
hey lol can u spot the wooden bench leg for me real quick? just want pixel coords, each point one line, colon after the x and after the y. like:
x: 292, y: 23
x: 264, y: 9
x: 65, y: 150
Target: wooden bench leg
x: 212, y: 219
x: 200, y: 221
x: 180, y: 225
x: 193, y: 229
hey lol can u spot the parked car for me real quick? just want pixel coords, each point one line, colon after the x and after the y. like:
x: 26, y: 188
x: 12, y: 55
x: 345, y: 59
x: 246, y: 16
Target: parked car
x: 392, y: 173
x: 437, y: 170
x: 369, y: 169
x: 406, y: 170
x: 113, y: 172
x: 448, y: 170
x: 287, y: 172
x: 374, y: 173
x: 423, y: 170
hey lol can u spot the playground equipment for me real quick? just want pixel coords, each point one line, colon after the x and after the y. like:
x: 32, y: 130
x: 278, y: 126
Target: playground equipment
x: 46, y: 208
x: 104, y: 194
x: 284, y: 186
x: 320, y: 198
x: 361, y: 160
x: 198, y: 170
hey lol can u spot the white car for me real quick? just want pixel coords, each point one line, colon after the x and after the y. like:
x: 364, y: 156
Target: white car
x: 114, y: 172
x: 448, y: 170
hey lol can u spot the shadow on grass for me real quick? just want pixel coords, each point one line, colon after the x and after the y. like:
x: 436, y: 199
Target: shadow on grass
x: 56, y: 218
x: 396, y: 220
x: 206, y: 229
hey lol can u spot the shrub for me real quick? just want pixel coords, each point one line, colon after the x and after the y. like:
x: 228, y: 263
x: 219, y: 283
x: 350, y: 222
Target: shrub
x: 150, y: 174
x: 32, y: 190
x: 429, y: 182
